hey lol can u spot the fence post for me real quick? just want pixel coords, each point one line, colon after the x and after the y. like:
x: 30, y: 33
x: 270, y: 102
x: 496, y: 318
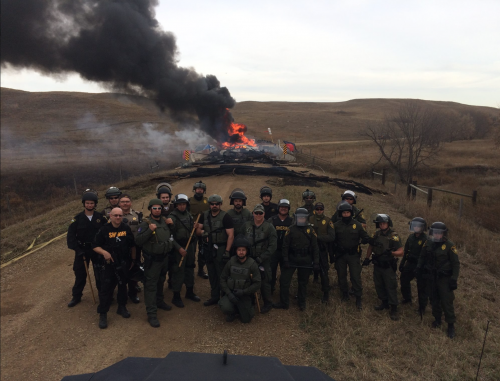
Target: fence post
x: 474, y: 197
x: 414, y: 191
x: 383, y: 176
x: 429, y: 197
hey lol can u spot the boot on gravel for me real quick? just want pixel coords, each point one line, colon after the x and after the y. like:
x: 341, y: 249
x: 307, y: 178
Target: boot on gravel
x: 122, y: 310
x: 359, y: 304
x: 280, y: 306
x: 436, y: 323
x: 177, y: 301
x: 407, y: 301
x: 74, y: 302
x: 325, y: 298
x: 383, y: 306
x: 103, y: 321
x: 230, y: 317
x: 394, y: 313
x: 153, y: 321
x: 211, y: 302
x: 451, y: 330
x: 202, y: 274
x: 164, y: 306
x: 345, y: 297
x: 266, y: 308
x: 191, y: 295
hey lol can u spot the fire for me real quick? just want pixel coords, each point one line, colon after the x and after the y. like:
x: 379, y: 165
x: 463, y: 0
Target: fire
x: 236, y: 132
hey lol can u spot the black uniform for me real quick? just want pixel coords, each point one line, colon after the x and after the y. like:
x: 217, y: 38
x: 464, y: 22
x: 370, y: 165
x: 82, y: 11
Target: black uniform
x: 270, y: 210
x: 81, y: 233
x: 277, y: 258
x: 118, y: 242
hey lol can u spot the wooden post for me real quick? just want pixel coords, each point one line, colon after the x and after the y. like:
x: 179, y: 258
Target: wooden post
x: 74, y: 182
x: 474, y: 197
x: 414, y: 191
x: 429, y: 197
x: 460, y: 208
x: 383, y: 176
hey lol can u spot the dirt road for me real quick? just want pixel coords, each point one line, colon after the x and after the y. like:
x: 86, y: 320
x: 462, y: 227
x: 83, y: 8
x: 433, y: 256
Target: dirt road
x: 43, y: 339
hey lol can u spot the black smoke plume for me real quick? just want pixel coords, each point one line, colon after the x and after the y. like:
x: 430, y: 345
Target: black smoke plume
x: 117, y: 43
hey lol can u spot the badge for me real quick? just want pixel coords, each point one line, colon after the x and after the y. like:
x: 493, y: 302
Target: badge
x: 395, y: 238
x: 354, y: 226
x: 134, y: 218
x: 98, y: 220
x: 443, y: 247
x: 308, y: 231
x: 420, y: 243
x: 324, y: 222
x: 454, y: 249
x: 204, y: 201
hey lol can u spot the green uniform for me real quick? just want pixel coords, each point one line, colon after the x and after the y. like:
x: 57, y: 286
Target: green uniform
x: 348, y: 253
x: 413, y: 247
x: 310, y: 209
x: 240, y: 276
x: 239, y: 219
x: 264, y: 241
x: 107, y: 210
x: 326, y: 236
x: 440, y: 261
x: 156, y: 246
x: 355, y: 212
x: 385, y: 265
x: 181, y: 229
x: 133, y: 222
x: 197, y: 207
x: 281, y: 227
x: 300, y: 248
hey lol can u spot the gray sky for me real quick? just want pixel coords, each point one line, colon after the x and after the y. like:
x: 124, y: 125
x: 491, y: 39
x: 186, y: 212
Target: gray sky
x: 329, y: 50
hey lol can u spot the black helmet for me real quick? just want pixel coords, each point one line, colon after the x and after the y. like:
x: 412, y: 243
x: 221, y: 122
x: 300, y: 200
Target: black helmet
x: 237, y: 194
x: 215, y: 198
x: 382, y: 218
x: 242, y: 241
x: 90, y: 195
x: 163, y: 188
x: 112, y: 191
x: 136, y: 273
x: 284, y: 203
x: 301, y: 212
x: 419, y: 224
x: 180, y: 198
x: 154, y: 201
x: 342, y: 207
x: 307, y: 194
x: 200, y: 184
x: 438, y: 228
x: 349, y: 194
x: 266, y: 191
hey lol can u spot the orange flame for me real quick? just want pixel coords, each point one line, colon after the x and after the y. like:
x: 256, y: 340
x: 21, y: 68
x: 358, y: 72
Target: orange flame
x: 236, y: 133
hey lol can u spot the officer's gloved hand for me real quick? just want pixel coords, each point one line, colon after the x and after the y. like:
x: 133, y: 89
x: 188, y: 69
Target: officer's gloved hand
x: 316, y: 267
x: 366, y: 262
x: 453, y: 284
x: 366, y: 240
x: 226, y: 256
x: 418, y: 272
x: 238, y: 292
x: 232, y: 298
x: 286, y: 264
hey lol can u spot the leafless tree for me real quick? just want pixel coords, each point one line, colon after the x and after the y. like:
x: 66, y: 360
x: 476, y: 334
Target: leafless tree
x: 409, y: 137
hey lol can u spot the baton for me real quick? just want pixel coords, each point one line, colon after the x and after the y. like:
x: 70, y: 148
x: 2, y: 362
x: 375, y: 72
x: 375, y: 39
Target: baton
x: 256, y: 296
x: 191, y: 236
x: 88, y: 277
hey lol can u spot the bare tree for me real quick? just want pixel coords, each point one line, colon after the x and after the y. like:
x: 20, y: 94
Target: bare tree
x: 409, y: 137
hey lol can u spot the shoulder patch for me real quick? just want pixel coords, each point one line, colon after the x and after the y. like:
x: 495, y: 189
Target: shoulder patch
x: 287, y: 232
x: 354, y: 226
x: 314, y: 232
x: 420, y: 243
x: 73, y: 220
x: 373, y: 235
x: 395, y: 238
x: 331, y: 224
x: 443, y: 247
x: 454, y: 249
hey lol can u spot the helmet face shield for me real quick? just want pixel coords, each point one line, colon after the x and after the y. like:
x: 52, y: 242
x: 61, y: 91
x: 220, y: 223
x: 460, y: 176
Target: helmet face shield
x: 438, y: 235
x: 417, y: 227
x: 301, y: 219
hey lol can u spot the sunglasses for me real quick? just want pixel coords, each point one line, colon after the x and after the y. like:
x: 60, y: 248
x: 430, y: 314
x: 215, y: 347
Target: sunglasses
x: 114, y: 198
x: 155, y: 208
x: 214, y: 203
x: 309, y: 198
x: 258, y: 213
x: 117, y: 215
x: 349, y: 198
x: 320, y: 209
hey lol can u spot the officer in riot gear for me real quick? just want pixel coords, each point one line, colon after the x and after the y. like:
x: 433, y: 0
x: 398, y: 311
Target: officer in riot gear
x: 240, y: 280
x: 184, y: 256
x: 309, y: 197
x: 113, y: 196
x: 351, y: 197
x: 164, y: 193
x: 270, y: 208
x: 301, y: 253
x: 217, y: 231
x: 386, y: 247
x: 197, y: 205
x: 281, y: 223
x: 439, y: 259
x: 81, y: 233
x: 239, y: 213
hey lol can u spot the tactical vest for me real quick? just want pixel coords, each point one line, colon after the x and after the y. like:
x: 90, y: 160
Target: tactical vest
x: 133, y: 221
x: 159, y: 242
x: 213, y: 226
x: 258, y: 237
x: 347, y: 236
x: 383, y: 242
x: 310, y: 209
x: 437, y: 257
x: 239, y: 219
x: 415, y: 247
x: 281, y: 228
x: 320, y: 224
x: 301, y: 242
x: 239, y: 274
x: 183, y: 223
x: 198, y: 206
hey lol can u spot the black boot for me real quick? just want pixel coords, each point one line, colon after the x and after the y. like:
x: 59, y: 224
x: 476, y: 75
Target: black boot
x: 345, y: 297
x: 153, y: 321
x: 407, y: 301
x: 191, y: 295
x: 103, y: 321
x: 74, y: 302
x: 134, y: 299
x: 177, y: 301
x: 394, y: 312
x: 268, y: 306
x: 202, y: 274
x: 280, y: 306
x: 436, y: 323
x: 163, y: 306
x: 230, y: 317
x: 122, y: 310
x: 359, y: 305
x: 451, y: 330
x: 326, y: 297
x: 351, y: 291
x: 169, y: 281
x: 210, y: 302
x: 383, y: 306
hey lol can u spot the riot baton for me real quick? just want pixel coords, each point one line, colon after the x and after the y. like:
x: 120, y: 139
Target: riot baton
x: 88, y: 277
x: 256, y: 296
x: 191, y: 236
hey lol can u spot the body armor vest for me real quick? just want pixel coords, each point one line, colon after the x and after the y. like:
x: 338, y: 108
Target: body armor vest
x: 214, y: 227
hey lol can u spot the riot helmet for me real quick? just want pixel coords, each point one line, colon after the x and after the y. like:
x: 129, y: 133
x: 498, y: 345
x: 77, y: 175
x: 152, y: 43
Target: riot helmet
x: 284, y: 203
x: 301, y: 217
x: 200, y: 184
x: 112, y: 191
x: 180, y: 198
x: 382, y: 218
x: 163, y: 188
x: 241, y: 241
x: 266, y: 191
x: 215, y: 198
x: 438, y: 232
x: 154, y: 201
x: 237, y: 194
x: 90, y: 195
x: 308, y: 194
x: 349, y: 194
x: 344, y: 206
x: 418, y: 225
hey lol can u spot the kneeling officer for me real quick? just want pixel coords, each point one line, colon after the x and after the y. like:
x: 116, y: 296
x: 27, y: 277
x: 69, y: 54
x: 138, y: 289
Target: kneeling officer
x: 240, y: 280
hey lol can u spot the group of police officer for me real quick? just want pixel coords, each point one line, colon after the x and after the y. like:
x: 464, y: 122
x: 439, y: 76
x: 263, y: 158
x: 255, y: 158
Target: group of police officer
x: 242, y: 250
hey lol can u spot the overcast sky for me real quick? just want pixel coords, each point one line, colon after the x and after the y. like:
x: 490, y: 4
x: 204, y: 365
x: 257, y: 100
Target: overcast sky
x: 329, y: 50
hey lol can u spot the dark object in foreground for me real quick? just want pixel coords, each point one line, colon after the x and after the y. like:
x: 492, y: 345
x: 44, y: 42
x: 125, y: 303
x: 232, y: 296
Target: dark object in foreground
x: 209, y: 367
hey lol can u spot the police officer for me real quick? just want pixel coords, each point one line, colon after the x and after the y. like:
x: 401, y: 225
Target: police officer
x: 240, y: 280
x: 308, y: 197
x: 217, y: 231
x: 440, y: 260
x: 154, y: 237
x: 239, y: 214
x: 115, y: 243
x: 412, y: 249
x: 81, y: 233
x: 351, y: 198
x: 386, y: 247
x: 197, y: 205
x: 347, y: 252
x: 184, y: 256
x: 263, y: 240
x: 326, y: 236
x: 301, y: 252
x: 164, y: 193
x: 112, y: 195
x: 281, y: 223
x: 270, y: 208
x: 132, y: 218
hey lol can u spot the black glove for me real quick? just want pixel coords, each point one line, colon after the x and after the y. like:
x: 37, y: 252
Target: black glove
x: 366, y: 262
x: 366, y: 240
x: 316, y: 267
x: 258, y: 260
x: 238, y: 292
x: 232, y: 298
x: 453, y: 284
x: 418, y: 272
x: 286, y: 264
x: 388, y: 252
x: 226, y: 256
